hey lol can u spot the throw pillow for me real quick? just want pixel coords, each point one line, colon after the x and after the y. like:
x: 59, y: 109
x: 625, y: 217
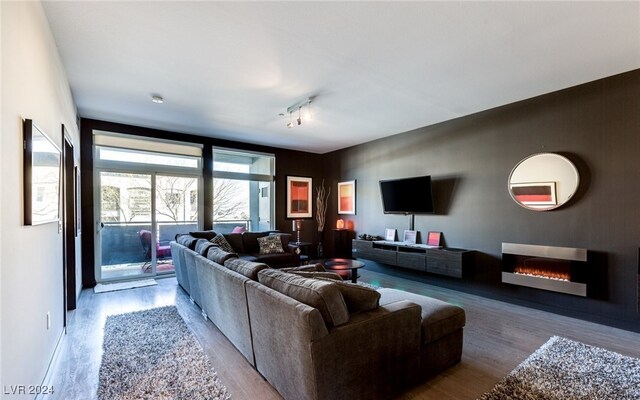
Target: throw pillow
x: 203, y: 234
x: 239, y: 229
x: 222, y: 242
x: 270, y: 244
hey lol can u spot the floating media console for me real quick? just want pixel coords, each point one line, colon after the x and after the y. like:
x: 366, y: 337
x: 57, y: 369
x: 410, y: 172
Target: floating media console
x: 557, y: 269
x: 419, y: 257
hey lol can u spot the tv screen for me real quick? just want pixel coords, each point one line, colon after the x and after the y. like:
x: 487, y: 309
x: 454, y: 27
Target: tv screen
x: 407, y: 196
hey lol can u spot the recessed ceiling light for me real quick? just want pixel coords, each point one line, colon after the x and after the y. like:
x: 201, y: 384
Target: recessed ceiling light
x: 157, y: 99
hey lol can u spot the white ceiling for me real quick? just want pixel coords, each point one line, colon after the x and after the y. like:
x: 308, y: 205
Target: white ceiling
x: 226, y: 69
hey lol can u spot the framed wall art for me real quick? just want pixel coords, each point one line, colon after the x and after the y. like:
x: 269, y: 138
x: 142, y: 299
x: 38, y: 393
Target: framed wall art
x: 347, y: 197
x: 434, y: 238
x: 410, y: 237
x: 41, y: 176
x: 299, y: 197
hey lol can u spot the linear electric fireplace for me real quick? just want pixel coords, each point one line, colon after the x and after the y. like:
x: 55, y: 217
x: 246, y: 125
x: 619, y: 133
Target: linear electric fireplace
x: 558, y: 269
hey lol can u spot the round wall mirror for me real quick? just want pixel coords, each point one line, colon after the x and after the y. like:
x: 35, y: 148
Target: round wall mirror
x: 543, y: 181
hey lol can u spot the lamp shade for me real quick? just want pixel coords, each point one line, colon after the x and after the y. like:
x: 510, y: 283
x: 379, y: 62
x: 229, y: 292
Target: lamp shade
x: 296, y: 225
x: 340, y: 224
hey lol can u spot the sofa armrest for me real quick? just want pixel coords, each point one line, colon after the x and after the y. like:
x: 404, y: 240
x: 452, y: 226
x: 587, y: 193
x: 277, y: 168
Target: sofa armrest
x: 373, y: 354
x: 378, y: 349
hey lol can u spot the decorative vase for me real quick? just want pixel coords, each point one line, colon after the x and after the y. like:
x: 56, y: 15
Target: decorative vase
x: 320, y: 250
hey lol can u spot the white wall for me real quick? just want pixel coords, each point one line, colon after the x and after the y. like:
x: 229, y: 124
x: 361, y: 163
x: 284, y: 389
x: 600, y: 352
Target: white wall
x: 34, y: 85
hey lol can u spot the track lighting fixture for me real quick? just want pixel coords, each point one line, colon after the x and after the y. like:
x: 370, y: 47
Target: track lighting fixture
x: 290, y: 124
x: 299, y: 106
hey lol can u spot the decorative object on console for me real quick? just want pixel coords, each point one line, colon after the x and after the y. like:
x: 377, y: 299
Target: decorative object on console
x: 340, y: 223
x: 410, y: 237
x: 41, y: 174
x: 390, y: 235
x: 297, y: 227
x: 369, y: 238
x: 321, y: 212
x: 543, y: 181
x: 434, y: 238
x: 347, y: 197
x: 299, y: 201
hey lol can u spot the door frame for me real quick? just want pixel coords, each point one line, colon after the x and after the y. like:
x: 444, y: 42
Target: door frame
x: 68, y: 223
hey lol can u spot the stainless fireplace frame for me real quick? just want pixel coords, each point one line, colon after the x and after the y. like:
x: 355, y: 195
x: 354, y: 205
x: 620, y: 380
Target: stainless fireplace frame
x: 562, y: 253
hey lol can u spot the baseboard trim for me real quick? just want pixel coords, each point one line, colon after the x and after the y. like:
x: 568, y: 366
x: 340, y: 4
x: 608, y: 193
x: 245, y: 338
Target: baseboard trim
x: 48, y: 376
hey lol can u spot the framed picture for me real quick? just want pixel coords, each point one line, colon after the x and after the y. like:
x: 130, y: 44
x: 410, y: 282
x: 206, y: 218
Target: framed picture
x: 410, y: 237
x: 390, y: 235
x: 347, y: 197
x: 534, y: 193
x: 41, y: 176
x: 299, y: 197
x: 433, y: 238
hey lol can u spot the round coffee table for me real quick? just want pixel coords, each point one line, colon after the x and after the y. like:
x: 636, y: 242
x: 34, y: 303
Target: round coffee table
x: 341, y: 264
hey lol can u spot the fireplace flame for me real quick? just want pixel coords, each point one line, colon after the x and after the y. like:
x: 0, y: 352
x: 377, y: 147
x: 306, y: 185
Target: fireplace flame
x: 542, y: 273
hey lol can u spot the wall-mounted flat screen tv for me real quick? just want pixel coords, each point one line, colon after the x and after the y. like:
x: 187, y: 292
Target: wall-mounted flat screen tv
x: 407, y: 196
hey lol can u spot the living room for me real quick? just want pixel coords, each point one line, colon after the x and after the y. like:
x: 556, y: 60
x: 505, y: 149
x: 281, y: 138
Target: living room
x: 593, y: 122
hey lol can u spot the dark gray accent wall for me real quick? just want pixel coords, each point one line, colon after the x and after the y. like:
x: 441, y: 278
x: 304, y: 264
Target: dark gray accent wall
x: 596, y: 125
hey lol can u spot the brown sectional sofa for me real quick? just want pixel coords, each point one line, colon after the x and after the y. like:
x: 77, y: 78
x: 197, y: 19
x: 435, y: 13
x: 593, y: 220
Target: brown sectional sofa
x: 316, y: 339
x: 246, y: 246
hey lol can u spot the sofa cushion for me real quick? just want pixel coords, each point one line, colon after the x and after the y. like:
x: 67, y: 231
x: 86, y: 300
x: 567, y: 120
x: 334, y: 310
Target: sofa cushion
x: 317, y: 275
x: 235, y: 240
x: 320, y: 294
x: 219, y: 240
x: 202, y: 247
x: 276, y: 260
x: 270, y: 244
x: 186, y: 240
x: 203, y: 234
x: 244, y: 267
x: 358, y: 298
x: 217, y: 255
x: 438, y: 317
x: 310, y: 268
x: 250, y: 241
x: 239, y: 229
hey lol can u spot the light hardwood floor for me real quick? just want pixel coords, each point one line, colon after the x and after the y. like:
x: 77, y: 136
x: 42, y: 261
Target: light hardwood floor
x: 498, y: 336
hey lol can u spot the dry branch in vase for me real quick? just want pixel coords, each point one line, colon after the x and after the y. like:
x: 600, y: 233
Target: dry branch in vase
x: 321, y: 205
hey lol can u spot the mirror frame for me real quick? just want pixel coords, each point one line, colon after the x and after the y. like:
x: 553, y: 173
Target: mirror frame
x: 546, y: 182
x: 40, y: 189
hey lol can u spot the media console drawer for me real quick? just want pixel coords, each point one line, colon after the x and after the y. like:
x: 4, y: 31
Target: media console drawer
x: 411, y: 260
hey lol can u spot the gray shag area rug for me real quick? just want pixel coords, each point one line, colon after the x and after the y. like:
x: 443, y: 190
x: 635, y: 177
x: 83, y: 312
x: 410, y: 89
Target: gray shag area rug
x: 152, y: 354
x: 565, y: 369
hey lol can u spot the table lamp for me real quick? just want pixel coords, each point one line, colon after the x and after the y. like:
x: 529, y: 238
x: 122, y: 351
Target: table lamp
x: 296, y: 226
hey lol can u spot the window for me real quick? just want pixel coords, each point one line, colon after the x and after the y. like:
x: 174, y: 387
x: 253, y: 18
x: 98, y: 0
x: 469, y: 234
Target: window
x: 110, y: 203
x: 139, y: 203
x: 242, y: 183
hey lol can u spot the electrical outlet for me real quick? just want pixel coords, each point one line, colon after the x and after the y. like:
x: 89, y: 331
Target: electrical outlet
x: 48, y: 320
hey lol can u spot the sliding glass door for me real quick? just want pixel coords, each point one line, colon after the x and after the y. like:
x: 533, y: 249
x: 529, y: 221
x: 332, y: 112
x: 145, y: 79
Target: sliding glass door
x: 139, y: 216
x: 125, y: 230
x: 144, y: 198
